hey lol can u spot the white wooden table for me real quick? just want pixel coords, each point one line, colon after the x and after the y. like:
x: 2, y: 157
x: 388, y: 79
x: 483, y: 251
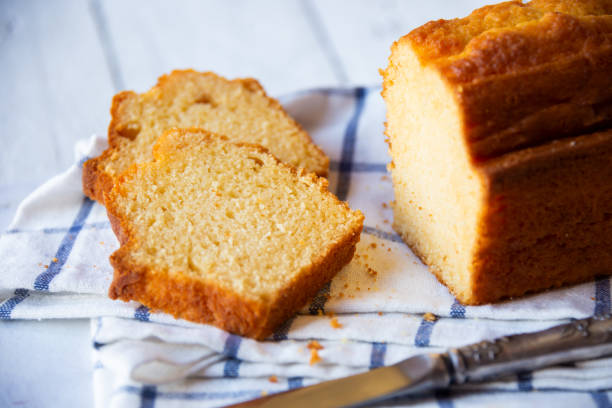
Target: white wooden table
x: 62, y: 61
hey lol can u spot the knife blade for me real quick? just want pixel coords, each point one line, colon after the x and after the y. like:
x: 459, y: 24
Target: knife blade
x: 575, y: 341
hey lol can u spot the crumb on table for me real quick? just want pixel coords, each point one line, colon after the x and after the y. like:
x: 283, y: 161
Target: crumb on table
x: 314, y: 357
x: 314, y: 345
x: 430, y: 317
x: 334, y: 323
x: 273, y: 379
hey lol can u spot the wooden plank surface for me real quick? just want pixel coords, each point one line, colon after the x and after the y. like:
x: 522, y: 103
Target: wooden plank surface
x: 361, y: 32
x: 265, y: 39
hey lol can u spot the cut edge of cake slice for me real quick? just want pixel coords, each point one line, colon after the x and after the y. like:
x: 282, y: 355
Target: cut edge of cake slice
x: 239, y: 109
x: 223, y: 233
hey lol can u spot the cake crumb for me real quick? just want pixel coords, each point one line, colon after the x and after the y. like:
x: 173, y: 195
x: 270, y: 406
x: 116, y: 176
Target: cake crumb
x: 314, y: 357
x: 373, y: 245
x: 101, y: 242
x: 388, y: 249
x: 340, y: 295
x: 319, y: 312
x: 372, y: 272
x: 264, y: 393
x: 314, y: 345
x: 46, y: 266
x: 54, y: 259
x: 384, y: 205
x: 430, y: 317
x: 385, y: 221
x: 345, y: 285
x: 335, y: 324
x: 380, y: 313
x: 273, y: 379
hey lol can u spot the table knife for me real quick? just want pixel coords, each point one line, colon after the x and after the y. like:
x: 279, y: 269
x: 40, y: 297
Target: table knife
x: 578, y: 340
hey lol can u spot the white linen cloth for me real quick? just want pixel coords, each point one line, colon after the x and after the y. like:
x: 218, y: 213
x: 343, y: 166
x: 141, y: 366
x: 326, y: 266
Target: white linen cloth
x: 54, y: 264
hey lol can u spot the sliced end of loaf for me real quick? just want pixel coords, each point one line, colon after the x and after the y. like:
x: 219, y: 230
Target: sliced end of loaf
x: 438, y: 194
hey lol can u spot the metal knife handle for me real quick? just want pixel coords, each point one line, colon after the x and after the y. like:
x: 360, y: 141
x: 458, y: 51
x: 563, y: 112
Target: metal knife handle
x: 578, y: 340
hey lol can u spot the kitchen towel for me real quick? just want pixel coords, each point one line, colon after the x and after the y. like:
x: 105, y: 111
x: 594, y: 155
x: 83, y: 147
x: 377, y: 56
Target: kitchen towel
x: 382, y: 307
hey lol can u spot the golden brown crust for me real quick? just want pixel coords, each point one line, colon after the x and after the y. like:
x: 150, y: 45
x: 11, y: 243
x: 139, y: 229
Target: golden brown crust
x: 117, y: 123
x: 440, y: 40
x: 531, y: 242
x: 199, y: 301
x: 305, y: 287
x: 97, y: 181
x: 548, y: 219
x: 517, y: 70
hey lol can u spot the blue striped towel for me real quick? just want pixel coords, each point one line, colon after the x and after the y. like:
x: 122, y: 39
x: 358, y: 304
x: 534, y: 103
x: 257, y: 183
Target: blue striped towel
x: 54, y: 263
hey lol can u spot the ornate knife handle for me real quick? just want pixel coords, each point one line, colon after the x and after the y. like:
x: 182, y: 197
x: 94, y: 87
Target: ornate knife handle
x: 578, y: 340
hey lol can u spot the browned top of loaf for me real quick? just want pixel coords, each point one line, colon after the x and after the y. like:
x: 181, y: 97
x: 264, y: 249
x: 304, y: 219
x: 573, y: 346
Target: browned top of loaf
x: 523, y: 74
x: 510, y: 36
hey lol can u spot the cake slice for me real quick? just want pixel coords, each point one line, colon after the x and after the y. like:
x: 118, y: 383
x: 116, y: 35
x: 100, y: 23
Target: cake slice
x: 498, y: 127
x: 238, y: 109
x: 223, y: 233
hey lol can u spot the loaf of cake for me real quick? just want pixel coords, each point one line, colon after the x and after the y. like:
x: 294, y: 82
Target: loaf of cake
x: 238, y: 109
x: 498, y: 127
x: 223, y: 233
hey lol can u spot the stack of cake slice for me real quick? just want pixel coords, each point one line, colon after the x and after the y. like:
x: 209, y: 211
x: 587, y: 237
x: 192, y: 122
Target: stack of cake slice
x: 213, y: 227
